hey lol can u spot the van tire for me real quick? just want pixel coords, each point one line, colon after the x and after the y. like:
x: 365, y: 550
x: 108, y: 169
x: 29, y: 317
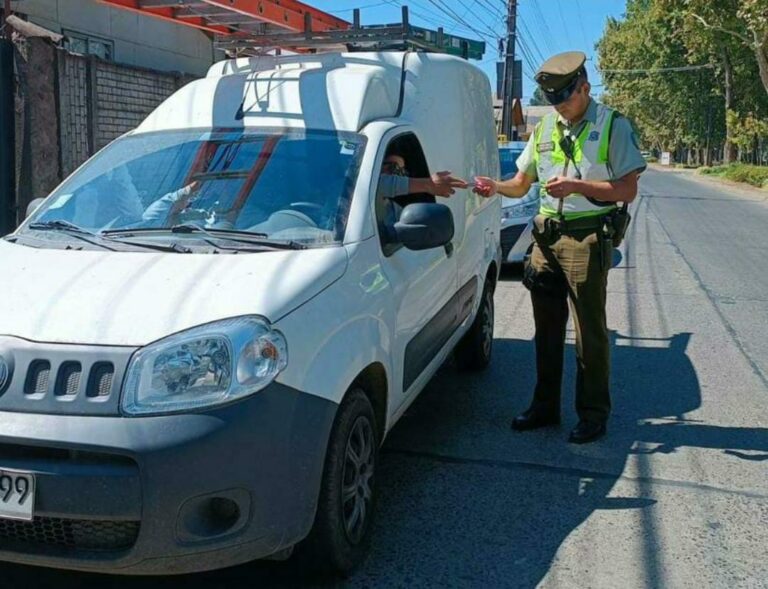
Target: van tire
x: 473, y: 352
x: 335, y: 545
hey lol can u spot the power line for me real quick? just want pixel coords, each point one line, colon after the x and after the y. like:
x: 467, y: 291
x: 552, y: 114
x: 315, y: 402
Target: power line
x: 544, y: 26
x: 531, y: 38
x: 581, y: 24
x: 562, y: 20
x: 685, y: 68
x: 358, y: 7
x: 454, y: 15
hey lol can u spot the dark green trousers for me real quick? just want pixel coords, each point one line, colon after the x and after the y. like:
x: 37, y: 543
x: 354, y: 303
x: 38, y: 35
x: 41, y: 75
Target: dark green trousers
x: 577, y: 264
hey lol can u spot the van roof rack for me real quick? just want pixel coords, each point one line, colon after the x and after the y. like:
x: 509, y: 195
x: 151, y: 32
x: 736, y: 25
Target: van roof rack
x: 392, y: 37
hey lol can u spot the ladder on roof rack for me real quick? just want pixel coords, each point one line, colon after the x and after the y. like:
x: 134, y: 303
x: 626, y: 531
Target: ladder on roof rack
x: 400, y: 36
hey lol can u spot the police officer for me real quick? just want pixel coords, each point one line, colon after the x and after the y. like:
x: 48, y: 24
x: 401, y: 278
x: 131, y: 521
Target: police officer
x: 587, y: 162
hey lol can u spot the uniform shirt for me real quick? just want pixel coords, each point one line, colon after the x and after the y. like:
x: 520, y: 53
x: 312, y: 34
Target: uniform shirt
x: 623, y: 151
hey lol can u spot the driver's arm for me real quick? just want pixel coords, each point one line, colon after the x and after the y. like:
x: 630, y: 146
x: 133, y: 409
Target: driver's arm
x: 440, y: 184
x: 158, y: 211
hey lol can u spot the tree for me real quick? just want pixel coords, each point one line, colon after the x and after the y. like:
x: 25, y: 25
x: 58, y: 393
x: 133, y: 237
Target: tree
x: 689, y: 87
x: 538, y: 98
x: 745, y: 21
x: 670, y: 109
x: 721, y: 44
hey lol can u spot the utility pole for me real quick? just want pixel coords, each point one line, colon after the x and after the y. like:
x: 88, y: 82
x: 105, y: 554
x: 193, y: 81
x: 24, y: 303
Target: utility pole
x: 509, y: 69
x: 7, y: 130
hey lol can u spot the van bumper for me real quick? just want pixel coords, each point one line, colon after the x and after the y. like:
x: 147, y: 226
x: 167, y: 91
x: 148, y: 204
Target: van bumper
x: 168, y: 494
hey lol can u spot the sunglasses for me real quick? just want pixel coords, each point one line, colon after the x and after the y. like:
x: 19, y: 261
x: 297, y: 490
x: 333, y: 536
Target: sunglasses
x: 394, y: 169
x: 555, y: 98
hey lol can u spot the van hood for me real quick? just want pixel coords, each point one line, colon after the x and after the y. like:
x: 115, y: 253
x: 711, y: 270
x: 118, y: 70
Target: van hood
x: 132, y: 299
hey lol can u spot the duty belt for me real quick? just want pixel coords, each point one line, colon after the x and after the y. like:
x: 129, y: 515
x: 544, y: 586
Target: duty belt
x: 581, y: 223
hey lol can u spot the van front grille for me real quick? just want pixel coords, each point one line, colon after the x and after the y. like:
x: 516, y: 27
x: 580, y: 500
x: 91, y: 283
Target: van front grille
x: 67, y: 379
x: 46, y: 533
x: 38, y: 376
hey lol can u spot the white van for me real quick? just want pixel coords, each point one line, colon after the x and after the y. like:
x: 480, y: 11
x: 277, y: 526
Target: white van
x: 209, y: 328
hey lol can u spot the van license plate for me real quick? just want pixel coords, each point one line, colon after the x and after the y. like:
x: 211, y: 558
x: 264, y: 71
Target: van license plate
x: 17, y: 495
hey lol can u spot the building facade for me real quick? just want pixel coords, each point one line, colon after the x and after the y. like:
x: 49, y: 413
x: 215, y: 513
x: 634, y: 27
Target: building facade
x: 122, y: 36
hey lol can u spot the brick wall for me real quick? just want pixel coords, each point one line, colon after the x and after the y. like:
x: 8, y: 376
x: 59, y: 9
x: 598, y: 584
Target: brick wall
x: 70, y: 106
x: 125, y: 96
x: 73, y: 112
x: 101, y: 100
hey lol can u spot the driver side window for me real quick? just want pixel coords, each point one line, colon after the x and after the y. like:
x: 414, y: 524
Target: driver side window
x: 403, y: 156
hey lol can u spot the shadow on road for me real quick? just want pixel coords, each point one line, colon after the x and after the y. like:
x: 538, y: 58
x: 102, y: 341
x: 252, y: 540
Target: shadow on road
x: 466, y: 502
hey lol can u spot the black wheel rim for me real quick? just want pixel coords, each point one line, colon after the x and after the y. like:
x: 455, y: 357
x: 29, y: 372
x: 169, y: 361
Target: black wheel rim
x: 357, y: 479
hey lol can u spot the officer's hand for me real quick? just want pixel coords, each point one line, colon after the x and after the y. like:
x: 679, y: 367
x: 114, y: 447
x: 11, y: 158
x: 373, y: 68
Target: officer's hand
x: 444, y: 184
x: 485, y: 186
x: 560, y: 187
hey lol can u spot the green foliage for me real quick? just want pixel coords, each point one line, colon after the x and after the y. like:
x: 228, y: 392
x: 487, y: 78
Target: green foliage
x: 538, y: 98
x: 687, y: 109
x: 745, y: 128
x: 749, y: 174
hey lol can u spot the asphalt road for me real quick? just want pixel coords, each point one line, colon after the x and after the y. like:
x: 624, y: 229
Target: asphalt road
x: 675, y: 496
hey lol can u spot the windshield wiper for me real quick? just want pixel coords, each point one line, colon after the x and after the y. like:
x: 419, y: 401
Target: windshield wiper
x: 238, y: 236
x: 233, y: 235
x: 71, y: 229
x: 98, y: 238
x: 59, y: 225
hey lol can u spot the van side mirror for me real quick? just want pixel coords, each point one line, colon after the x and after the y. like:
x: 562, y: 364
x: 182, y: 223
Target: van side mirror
x: 32, y: 206
x: 424, y: 226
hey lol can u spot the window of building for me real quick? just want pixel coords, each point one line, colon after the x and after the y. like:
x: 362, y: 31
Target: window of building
x: 89, y: 45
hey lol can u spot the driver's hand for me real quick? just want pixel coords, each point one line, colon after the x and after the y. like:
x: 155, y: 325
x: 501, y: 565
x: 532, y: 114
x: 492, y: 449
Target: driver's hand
x: 444, y: 184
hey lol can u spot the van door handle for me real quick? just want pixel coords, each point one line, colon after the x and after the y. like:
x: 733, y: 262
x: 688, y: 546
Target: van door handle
x: 449, y: 249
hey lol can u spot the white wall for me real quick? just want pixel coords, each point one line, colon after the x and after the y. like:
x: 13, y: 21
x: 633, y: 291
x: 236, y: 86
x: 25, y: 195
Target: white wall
x: 138, y: 40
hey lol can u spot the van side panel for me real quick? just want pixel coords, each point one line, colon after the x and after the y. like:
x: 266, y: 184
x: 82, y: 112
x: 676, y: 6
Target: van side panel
x: 341, y: 331
x: 449, y: 102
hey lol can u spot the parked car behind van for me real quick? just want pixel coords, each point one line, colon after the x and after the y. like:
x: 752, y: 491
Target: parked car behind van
x: 215, y: 322
x: 516, y: 213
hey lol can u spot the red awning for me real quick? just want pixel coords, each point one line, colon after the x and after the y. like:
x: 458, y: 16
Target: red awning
x: 232, y: 17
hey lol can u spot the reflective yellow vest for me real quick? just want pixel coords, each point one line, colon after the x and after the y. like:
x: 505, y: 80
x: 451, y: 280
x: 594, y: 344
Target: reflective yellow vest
x: 590, y: 152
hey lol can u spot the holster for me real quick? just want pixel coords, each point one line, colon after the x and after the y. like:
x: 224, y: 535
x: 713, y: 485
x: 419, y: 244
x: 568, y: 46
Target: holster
x: 547, y: 230
x: 619, y: 221
x: 547, y: 283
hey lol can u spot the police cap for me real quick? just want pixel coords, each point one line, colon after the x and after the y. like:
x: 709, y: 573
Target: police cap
x: 559, y: 75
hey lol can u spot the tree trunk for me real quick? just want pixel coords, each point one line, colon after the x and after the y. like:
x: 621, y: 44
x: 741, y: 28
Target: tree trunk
x: 730, y: 149
x: 761, y: 54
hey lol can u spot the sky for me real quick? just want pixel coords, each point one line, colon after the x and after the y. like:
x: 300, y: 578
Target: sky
x: 545, y: 27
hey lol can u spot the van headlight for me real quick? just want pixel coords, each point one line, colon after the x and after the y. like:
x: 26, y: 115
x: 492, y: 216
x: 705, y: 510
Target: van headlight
x: 204, y: 366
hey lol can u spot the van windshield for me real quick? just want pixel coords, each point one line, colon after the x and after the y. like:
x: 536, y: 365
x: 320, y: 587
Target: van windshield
x: 293, y: 185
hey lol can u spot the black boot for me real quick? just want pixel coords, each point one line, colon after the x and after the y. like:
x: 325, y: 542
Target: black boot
x: 587, y: 431
x: 534, y: 419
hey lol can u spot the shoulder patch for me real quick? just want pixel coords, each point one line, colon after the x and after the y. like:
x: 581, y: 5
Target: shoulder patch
x: 593, y: 136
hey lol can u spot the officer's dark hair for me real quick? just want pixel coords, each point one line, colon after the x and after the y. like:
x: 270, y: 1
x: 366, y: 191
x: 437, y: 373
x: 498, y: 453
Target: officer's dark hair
x: 582, y: 78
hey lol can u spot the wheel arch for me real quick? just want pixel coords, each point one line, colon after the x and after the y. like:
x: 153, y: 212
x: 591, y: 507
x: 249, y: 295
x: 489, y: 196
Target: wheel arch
x: 373, y: 381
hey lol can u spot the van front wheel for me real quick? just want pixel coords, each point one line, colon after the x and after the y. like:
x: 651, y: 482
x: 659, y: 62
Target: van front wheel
x: 473, y: 352
x: 341, y: 535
